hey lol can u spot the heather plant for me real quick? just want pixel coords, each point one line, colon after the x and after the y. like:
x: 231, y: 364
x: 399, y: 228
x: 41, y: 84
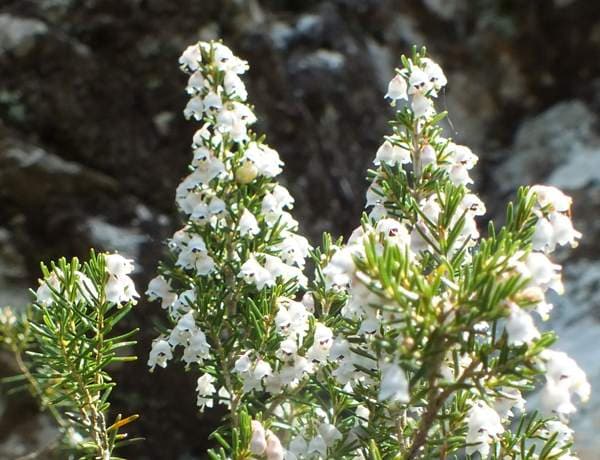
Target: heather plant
x: 416, y: 338
x: 63, y: 346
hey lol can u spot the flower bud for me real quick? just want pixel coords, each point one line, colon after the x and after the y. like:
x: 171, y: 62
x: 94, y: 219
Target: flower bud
x: 246, y: 173
x: 258, y: 443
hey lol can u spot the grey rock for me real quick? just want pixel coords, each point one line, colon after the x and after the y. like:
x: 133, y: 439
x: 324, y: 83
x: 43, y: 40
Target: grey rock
x: 112, y: 238
x: 18, y: 35
x: 576, y: 320
x: 548, y: 141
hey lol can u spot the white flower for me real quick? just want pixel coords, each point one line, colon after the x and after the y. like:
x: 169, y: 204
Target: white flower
x: 564, y: 233
x: 120, y: 289
x: 226, y: 61
x: 435, y: 73
x: 184, y: 302
x: 276, y: 201
x: 421, y: 105
x: 197, y: 349
x: 329, y: 433
x: 207, y: 168
x: 252, y: 373
x: 293, y: 249
x: 274, y: 450
x: 212, y: 103
x: 563, y: 370
x: 552, y: 198
x: 484, y: 426
x: 554, y: 229
x: 508, y: 399
x: 196, y: 83
x: 159, y: 288
x: 340, y: 269
x: 392, y: 154
x: 44, y: 294
x: 460, y: 159
x: 317, y: 445
x: 258, y: 442
x: 428, y: 155
x: 397, y: 88
x: 243, y: 363
x: 191, y: 58
x: 183, y: 331
x: 394, y: 385
x: 543, y: 272
x: 556, y: 399
x: 322, y: 342
x: 265, y: 159
x: 473, y: 204
x: 117, y: 265
x: 194, y: 108
x: 418, y: 82
x: 520, y: 327
x: 279, y: 269
x: 195, y: 257
x: 543, y: 237
x: 254, y: 273
x: 248, y: 225
x: 234, y: 86
x: 159, y: 354
x: 292, y: 318
x: 393, y: 231
x: 206, y: 391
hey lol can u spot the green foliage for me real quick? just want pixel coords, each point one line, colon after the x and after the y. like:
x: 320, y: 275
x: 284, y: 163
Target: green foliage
x: 65, y: 345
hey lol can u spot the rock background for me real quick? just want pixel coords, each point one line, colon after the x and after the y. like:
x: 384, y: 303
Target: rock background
x: 92, y: 143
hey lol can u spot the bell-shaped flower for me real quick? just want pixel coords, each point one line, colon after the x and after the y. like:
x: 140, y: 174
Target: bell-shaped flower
x: 293, y: 249
x: 392, y: 154
x: 394, y: 384
x: 117, y: 265
x: 159, y: 354
x: 484, y: 426
x: 194, y: 108
x: 234, y: 86
x: 120, y: 289
x: 258, y: 441
x: 543, y: 272
x: 248, y: 225
x: 191, y: 58
x: 252, y: 272
x: 421, y: 105
x: 197, y: 349
x: 196, y: 83
x: 226, y: 61
x: 434, y: 73
x: 265, y: 159
x: 183, y: 330
x: 520, y: 327
x: 418, y: 82
x: 551, y: 198
x: 274, y: 449
x: 322, y: 342
x: 206, y: 391
x: 397, y: 88
x: 159, y: 288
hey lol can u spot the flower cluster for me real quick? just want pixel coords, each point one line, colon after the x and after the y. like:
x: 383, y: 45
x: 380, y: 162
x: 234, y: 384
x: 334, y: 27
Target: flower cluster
x: 230, y: 291
x: 416, y: 337
x: 64, y: 343
x: 425, y: 300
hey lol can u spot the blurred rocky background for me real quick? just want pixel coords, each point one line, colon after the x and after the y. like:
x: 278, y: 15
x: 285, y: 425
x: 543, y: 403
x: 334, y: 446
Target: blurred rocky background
x: 93, y: 143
